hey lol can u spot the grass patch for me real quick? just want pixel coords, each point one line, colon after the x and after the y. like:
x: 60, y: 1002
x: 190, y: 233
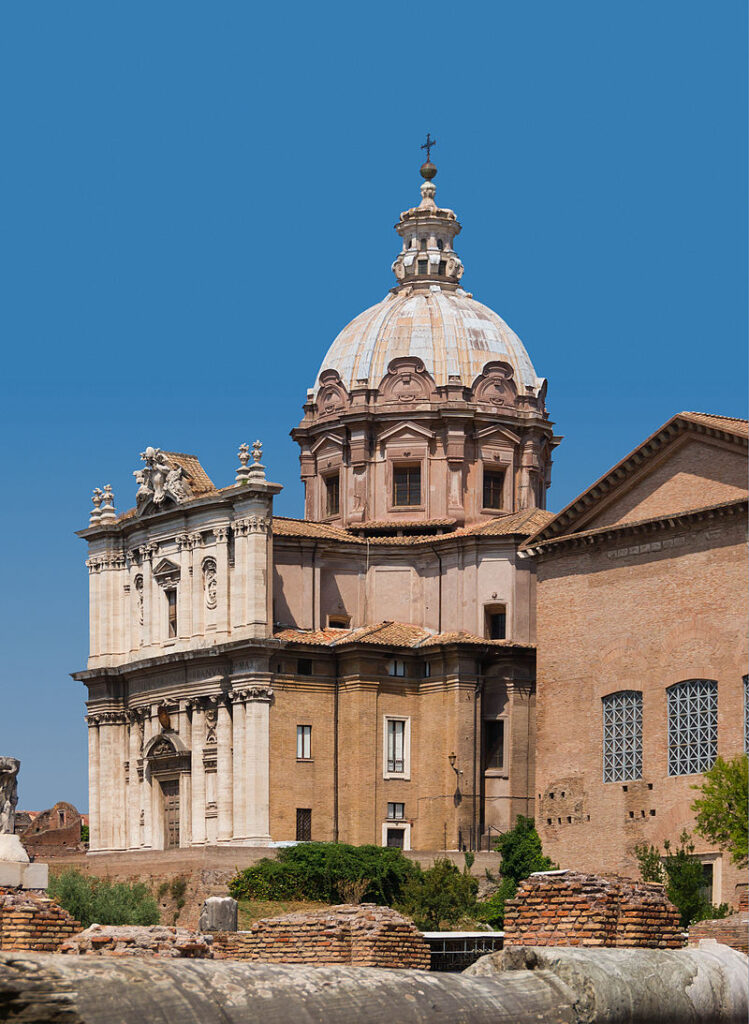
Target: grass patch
x: 253, y: 910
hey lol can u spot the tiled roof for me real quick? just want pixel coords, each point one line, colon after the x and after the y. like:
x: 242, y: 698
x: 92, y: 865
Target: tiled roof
x: 387, y: 634
x: 404, y: 524
x: 523, y: 523
x: 729, y: 423
x: 199, y: 481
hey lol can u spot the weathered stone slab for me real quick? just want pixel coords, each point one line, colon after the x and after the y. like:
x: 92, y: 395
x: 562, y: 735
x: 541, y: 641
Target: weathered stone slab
x: 12, y: 850
x: 218, y: 914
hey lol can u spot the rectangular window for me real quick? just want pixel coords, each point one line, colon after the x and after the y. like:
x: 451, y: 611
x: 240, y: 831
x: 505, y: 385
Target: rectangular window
x: 622, y: 736
x: 304, y: 742
x: 422, y: 266
x: 396, y: 736
x: 494, y: 744
x: 396, y: 812
x: 407, y: 485
x: 304, y: 667
x: 396, y: 667
x: 494, y: 481
x: 332, y: 495
x: 303, y: 824
x: 171, y: 601
x: 496, y: 622
x: 426, y: 669
x: 441, y: 268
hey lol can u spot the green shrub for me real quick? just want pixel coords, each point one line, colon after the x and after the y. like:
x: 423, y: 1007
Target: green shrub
x: 84, y: 833
x: 521, y: 856
x: 99, y: 901
x: 681, y: 873
x: 441, y: 897
x: 322, y: 872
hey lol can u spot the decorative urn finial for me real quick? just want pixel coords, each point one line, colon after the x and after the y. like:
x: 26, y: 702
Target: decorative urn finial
x: 244, y: 457
x: 97, y: 497
x: 107, y: 514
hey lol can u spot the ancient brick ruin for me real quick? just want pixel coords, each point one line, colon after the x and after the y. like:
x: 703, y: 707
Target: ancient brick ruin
x: 568, y: 908
x: 360, y: 936
x: 141, y: 941
x: 30, y: 921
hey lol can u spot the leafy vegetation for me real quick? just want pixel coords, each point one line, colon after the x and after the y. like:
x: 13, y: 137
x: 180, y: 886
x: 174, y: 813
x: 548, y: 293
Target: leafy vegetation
x: 327, y: 873
x: 442, y: 897
x: 99, y: 901
x: 722, y: 811
x: 84, y: 834
x: 521, y: 855
x: 682, y: 874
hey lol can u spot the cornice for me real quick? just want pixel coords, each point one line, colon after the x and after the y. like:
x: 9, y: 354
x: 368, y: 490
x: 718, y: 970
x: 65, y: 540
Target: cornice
x: 657, y: 524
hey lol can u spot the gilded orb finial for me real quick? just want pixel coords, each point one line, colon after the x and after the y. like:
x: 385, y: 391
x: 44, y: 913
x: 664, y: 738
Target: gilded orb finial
x: 427, y: 169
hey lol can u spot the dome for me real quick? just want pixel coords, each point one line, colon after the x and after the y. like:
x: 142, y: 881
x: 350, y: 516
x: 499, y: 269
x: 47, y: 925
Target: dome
x: 452, y: 333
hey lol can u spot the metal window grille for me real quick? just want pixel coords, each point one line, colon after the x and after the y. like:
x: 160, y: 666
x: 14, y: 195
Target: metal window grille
x: 692, y: 726
x: 396, y: 738
x: 304, y: 742
x: 622, y: 736
x: 303, y: 824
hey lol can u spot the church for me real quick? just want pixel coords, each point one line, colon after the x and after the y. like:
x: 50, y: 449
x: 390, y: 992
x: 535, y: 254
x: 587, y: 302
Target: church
x: 365, y: 674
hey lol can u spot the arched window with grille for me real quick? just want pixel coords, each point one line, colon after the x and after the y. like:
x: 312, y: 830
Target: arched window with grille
x: 622, y: 736
x: 692, y: 726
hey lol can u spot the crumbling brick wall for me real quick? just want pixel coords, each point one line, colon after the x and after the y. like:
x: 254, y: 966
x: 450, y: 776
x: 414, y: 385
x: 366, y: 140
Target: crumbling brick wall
x: 30, y: 921
x: 363, y: 936
x: 568, y: 908
x: 141, y: 941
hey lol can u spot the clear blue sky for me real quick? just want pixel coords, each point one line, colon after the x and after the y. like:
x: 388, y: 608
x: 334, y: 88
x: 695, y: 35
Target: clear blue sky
x: 197, y: 197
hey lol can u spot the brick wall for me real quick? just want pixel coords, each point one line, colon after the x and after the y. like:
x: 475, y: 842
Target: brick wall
x: 362, y: 936
x: 574, y: 909
x: 29, y: 921
x: 730, y: 931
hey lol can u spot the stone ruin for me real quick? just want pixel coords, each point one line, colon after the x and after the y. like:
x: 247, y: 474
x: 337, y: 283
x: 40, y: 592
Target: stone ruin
x: 15, y: 869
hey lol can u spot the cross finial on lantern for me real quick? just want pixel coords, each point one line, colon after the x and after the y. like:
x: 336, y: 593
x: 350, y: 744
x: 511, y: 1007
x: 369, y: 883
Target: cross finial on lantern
x: 428, y: 145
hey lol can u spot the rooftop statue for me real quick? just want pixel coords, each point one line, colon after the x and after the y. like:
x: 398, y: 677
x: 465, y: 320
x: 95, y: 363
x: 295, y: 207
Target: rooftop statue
x: 8, y: 793
x: 159, y: 480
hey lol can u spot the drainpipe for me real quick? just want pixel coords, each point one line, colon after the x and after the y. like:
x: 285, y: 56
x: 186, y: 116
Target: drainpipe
x: 335, y: 749
x: 314, y: 562
x: 438, y: 556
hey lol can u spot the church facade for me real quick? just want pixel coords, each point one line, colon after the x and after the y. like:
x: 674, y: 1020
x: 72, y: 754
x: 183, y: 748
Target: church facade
x: 365, y: 674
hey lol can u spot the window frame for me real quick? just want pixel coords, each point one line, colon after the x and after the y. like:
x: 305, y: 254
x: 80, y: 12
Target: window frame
x: 493, y: 470
x: 328, y: 480
x: 386, y: 772
x: 405, y: 828
x: 616, y: 730
x: 304, y: 740
x: 490, y: 610
x: 394, y: 816
x: 307, y: 811
x: 494, y: 769
x: 683, y: 761
x: 172, y: 619
x: 399, y: 467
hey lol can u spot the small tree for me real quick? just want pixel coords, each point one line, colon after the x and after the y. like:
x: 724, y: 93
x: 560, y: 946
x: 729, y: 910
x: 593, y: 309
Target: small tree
x: 680, y: 871
x: 441, y: 897
x: 722, y: 809
x: 521, y: 855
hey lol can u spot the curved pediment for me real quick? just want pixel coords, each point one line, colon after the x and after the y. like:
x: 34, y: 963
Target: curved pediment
x: 165, y: 744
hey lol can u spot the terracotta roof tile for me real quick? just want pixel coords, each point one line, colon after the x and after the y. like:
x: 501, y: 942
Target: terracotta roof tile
x: 387, y: 634
x: 730, y: 423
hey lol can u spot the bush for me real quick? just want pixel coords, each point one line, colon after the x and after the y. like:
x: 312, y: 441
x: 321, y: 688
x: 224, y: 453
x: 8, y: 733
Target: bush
x: 441, y: 897
x: 323, y: 872
x: 98, y: 901
x: 681, y: 874
x: 521, y: 856
x: 722, y: 810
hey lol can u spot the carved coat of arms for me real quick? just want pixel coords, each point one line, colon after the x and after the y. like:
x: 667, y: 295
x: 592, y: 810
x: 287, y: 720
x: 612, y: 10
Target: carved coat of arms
x: 158, y: 481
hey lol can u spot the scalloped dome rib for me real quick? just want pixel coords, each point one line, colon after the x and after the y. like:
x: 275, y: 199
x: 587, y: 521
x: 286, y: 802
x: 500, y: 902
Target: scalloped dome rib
x: 452, y: 334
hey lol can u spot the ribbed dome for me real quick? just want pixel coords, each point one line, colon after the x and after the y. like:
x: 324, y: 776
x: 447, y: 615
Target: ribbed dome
x: 452, y: 333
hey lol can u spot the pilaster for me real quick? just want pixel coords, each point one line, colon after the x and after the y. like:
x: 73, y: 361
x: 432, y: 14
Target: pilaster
x: 224, y: 772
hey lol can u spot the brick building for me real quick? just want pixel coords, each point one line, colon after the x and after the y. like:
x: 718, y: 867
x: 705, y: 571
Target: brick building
x: 366, y: 673
x: 642, y: 648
